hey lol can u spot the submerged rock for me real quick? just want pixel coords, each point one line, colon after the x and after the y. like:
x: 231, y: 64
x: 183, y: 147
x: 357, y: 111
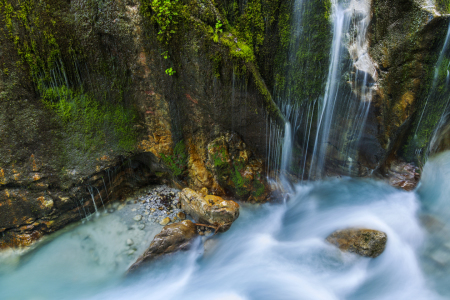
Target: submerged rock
x: 165, y: 221
x: 211, y: 210
x: 172, y: 238
x: 364, y: 242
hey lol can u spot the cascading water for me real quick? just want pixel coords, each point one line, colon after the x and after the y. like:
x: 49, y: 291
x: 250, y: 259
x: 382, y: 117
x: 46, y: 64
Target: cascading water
x: 273, y: 251
x: 331, y: 123
x: 343, y: 111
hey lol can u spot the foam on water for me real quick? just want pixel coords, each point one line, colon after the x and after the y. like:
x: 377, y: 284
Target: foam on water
x: 280, y: 252
x: 273, y: 251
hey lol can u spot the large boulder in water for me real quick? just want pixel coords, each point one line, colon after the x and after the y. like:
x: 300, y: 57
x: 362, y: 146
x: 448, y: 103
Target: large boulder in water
x: 209, y: 210
x: 364, y: 242
x: 172, y: 238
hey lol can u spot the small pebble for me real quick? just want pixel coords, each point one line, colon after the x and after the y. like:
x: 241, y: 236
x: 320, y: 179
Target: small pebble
x: 130, y: 242
x: 165, y: 221
x: 141, y: 226
x: 181, y: 215
x: 137, y: 218
x: 131, y: 251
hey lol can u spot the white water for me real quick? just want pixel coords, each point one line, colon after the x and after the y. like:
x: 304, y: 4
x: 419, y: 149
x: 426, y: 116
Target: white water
x: 273, y: 251
x: 335, y: 121
x: 350, y: 24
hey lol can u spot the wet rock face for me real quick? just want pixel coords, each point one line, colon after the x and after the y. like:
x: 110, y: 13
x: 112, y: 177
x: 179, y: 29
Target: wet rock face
x: 172, y: 238
x: 40, y: 154
x: 209, y: 210
x: 27, y: 214
x: 406, y: 39
x: 403, y: 175
x: 364, y: 242
x: 236, y: 168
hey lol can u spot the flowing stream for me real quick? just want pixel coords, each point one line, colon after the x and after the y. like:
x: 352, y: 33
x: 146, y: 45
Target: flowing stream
x: 273, y: 251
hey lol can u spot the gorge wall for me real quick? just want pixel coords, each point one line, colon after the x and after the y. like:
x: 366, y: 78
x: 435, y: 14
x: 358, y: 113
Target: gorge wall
x: 100, y: 97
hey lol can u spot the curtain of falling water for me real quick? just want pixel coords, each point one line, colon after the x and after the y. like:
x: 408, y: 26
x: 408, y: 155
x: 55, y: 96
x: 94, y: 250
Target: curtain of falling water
x: 346, y: 102
x: 331, y: 125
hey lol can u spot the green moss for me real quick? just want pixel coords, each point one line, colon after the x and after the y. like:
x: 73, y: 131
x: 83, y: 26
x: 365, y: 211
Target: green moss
x: 32, y: 28
x: 433, y: 104
x: 238, y: 48
x: 91, y: 124
x: 302, y: 59
x: 231, y: 174
x: 443, y: 5
x: 93, y: 117
x: 178, y: 161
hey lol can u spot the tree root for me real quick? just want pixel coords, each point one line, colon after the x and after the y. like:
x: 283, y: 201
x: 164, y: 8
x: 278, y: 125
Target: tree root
x: 210, y: 226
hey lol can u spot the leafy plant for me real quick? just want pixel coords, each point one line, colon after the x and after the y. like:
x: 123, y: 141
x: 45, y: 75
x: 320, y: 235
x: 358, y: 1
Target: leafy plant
x: 170, y: 71
x: 217, y: 31
x: 166, y: 13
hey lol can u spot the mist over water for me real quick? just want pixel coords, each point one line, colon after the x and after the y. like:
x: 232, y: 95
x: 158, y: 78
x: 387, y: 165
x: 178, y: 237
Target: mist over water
x: 273, y: 251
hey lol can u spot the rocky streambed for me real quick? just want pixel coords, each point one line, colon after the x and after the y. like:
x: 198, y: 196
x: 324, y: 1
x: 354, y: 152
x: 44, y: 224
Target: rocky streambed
x: 270, y: 250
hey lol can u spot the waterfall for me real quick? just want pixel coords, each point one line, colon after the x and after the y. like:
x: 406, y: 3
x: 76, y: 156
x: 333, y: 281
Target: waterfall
x: 287, y: 147
x: 343, y: 111
x: 328, y: 125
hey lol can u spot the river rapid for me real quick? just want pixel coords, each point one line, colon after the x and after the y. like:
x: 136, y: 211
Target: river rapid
x: 273, y: 251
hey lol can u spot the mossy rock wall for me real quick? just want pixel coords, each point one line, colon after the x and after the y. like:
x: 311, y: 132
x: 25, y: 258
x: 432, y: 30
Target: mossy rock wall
x: 406, y: 41
x: 85, y: 88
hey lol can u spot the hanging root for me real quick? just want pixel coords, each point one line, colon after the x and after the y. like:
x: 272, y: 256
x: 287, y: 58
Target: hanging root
x: 210, y: 226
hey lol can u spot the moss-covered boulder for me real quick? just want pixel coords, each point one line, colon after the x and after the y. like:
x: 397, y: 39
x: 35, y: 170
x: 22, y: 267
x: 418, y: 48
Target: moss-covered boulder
x: 238, y: 171
x: 364, y: 242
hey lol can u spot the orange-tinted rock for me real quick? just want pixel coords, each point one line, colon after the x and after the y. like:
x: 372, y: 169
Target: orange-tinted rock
x: 211, y: 210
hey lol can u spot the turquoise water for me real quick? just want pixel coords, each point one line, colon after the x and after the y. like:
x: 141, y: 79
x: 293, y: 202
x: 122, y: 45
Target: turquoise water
x: 273, y: 251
